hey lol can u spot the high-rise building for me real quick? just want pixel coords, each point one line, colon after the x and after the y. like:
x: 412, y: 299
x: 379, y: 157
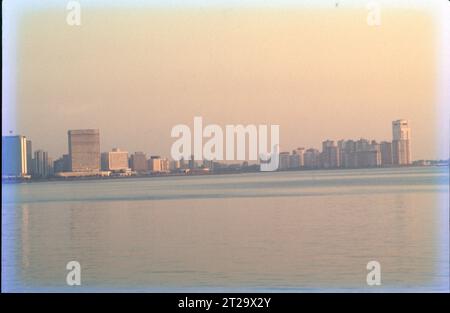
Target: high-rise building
x: 401, y: 142
x: 115, y: 160
x: 84, y: 150
x: 386, y: 153
x: 330, y: 155
x: 14, y: 156
x: 348, y: 153
x: 138, y: 162
x: 29, y: 157
x: 312, y: 158
x: 360, y: 153
x: 41, y: 168
x: 296, y: 159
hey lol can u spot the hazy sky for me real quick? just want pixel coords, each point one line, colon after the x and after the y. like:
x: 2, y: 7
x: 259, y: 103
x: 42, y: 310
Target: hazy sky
x: 135, y: 73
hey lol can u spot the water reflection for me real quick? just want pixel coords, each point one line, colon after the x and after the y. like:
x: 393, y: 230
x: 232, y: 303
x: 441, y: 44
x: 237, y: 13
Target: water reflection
x: 302, y: 242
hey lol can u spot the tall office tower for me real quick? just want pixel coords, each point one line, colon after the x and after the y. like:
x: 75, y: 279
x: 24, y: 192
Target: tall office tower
x: 330, y: 155
x: 29, y: 157
x: 84, y: 150
x: 138, y: 162
x: 115, y: 160
x: 154, y: 164
x: 401, y: 142
x: 14, y: 156
x: 40, y: 164
x: 386, y: 153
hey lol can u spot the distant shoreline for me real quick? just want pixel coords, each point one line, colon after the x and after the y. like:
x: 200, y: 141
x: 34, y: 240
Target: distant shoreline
x: 222, y: 172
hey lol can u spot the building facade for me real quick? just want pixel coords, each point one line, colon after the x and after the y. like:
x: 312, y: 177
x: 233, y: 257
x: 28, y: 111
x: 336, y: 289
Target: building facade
x: 14, y: 156
x: 84, y: 150
x: 41, y: 164
x: 401, y: 142
x: 330, y: 156
x: 138, y: 162
x: 154, y: 164
x: 386, y: 153
x: 312, y: 158
x: 115, y: 160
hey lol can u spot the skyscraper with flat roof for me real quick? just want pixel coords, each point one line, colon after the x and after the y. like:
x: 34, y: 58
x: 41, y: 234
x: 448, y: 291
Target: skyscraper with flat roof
x: 401, y: 142
x: 84, y: 150
x: 14, y: 156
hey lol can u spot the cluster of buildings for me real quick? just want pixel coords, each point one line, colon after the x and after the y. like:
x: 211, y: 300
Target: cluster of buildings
x: 85, y: 159
x: 18, y: 159
x: 360, y: 153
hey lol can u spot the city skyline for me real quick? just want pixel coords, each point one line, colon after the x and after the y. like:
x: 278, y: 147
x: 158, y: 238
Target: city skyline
x: 116, y: 148
x: 150, y: 151
x: 85, y: 157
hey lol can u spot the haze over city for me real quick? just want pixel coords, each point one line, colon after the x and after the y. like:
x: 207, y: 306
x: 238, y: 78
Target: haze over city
x: 135, y: 74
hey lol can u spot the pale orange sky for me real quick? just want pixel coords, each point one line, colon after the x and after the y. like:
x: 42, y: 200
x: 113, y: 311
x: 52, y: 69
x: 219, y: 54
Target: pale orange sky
x: 134, y: 74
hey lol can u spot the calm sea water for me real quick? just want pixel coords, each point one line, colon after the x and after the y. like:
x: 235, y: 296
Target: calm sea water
x: 281, y: 231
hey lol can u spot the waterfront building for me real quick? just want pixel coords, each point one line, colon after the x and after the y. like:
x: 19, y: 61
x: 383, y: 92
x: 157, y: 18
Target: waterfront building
x: 29, y: 157
x: 283, y: 161
x: 154, y: 164
x: 84, y: 150
x: 41, y: 164
x: 401, y: 142
x: 386, y: 153
x: 115, y: 160
x: 14, y: 156
x: 138, y: 162
x: 330, y: 155
x: 296, y: 159
x: 312, y: 158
